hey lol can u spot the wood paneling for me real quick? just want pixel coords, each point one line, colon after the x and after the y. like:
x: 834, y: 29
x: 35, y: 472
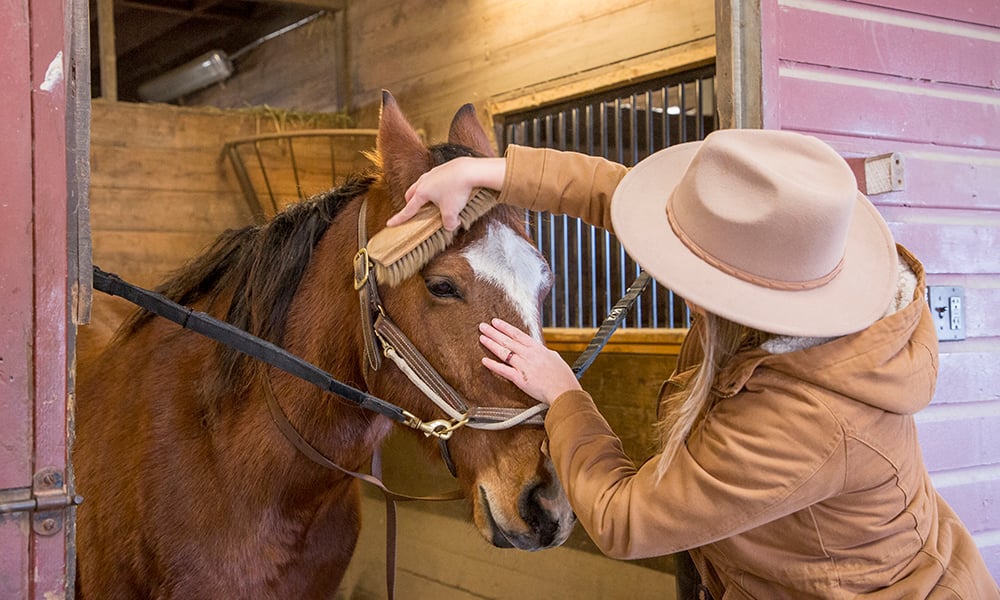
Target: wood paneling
x: 952, y: 247
x: 436, y: 56
x: 877, y: 40
x: 488, y: 49
x: 442, y: 557
x: 35, y: 332
x: 983, y: 12
x: 917, y: 78
x: 162, y: 188
x: 960, y: 435
x: 964, y: 491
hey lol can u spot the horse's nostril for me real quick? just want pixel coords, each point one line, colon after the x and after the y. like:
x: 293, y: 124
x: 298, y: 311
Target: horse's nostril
x: 538, y: 518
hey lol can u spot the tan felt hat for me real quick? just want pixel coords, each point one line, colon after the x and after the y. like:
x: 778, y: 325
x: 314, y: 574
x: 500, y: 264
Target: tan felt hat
x: 765, y: 228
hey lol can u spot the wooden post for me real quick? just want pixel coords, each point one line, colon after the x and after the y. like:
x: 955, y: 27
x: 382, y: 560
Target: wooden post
x: 738, y: 64
x: 106, y: 40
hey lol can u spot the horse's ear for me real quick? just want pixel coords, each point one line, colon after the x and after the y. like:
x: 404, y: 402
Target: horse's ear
x: 467, y: 131
x: 401, y: 154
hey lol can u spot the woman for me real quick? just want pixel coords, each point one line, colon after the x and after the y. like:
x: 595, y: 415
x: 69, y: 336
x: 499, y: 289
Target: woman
x: 790, y: 466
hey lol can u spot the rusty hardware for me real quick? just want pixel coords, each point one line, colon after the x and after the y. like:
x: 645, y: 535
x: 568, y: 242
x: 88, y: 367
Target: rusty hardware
x: 47, y: 500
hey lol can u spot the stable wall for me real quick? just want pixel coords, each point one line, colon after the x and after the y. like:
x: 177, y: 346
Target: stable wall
x: 162, y: 188
x: 917, y: 78
x: 435, y: 56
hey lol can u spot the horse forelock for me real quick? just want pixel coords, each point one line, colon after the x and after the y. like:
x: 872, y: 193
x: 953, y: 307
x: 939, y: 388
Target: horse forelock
x: 442, y: 153
x: 249, y: 276
x: 506, y: 259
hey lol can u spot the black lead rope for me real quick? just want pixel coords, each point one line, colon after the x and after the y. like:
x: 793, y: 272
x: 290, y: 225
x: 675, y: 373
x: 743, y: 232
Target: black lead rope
x: 610, y: 324
x: 242, y: 341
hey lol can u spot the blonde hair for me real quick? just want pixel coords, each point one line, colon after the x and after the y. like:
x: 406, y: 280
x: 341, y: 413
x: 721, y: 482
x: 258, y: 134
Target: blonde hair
x: 720, y: 340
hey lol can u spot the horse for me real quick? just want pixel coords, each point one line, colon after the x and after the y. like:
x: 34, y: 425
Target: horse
x: 191, y: 491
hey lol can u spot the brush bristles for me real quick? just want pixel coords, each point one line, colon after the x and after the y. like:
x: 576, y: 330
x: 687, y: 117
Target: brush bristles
x: 408, y: 261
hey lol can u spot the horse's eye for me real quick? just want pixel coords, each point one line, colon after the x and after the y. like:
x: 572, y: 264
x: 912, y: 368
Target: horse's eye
x: 442, y: 288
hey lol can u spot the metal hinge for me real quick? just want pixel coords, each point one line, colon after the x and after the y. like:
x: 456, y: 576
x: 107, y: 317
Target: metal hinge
x: 46, y: 499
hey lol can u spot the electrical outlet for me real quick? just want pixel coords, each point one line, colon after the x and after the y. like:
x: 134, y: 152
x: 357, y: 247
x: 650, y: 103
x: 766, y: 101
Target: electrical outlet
x: 947, y: 305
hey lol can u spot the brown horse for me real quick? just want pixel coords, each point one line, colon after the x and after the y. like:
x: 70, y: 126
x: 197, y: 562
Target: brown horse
x: 191, y: 491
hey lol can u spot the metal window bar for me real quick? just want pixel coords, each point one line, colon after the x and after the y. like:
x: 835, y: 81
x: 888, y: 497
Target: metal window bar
x: 591, y: 268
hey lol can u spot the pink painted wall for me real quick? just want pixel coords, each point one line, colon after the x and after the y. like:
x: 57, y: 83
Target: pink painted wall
x: 921, y: 78
x: 34, y: 318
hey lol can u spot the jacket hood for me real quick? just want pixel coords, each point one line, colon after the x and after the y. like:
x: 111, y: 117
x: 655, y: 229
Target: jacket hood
x: 891, y: 365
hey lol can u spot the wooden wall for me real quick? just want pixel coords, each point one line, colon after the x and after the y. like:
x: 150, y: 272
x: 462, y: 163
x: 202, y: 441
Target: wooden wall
x: 918, y: 78
x: 162, y: 188
x: 435, y: 56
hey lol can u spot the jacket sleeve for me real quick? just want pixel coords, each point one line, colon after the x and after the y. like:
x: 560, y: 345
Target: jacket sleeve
x: 740, y: 469
x: 565, y: 183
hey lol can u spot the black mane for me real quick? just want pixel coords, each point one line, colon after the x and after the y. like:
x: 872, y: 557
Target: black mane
x: 262, y: 265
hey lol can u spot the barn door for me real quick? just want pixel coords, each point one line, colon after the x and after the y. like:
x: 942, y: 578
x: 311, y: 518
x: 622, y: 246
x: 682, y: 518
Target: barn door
x: 42, y: 144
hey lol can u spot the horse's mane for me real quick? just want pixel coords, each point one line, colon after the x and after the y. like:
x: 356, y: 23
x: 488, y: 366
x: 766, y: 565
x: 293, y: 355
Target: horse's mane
x: 257, y: 269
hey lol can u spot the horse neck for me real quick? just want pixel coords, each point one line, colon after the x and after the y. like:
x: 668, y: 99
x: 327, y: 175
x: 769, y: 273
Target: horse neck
x: 324, y: 328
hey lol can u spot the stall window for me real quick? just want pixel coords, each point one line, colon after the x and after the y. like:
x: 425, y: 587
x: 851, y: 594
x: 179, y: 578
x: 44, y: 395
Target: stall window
x: 591, y: 268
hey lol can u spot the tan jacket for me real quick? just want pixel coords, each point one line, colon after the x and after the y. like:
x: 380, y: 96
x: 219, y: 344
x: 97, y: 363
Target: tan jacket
x: 804, y: 480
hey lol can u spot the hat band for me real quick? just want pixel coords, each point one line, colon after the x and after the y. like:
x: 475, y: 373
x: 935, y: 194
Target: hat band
x: 767, y: 282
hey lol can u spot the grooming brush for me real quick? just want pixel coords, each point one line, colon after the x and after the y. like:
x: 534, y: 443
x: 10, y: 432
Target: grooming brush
x: 399, y: 252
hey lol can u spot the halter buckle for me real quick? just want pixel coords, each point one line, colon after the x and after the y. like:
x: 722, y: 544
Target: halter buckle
x: 362, y: 267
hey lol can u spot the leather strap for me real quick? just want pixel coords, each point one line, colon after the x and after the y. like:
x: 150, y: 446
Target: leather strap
x: 364, y: 282
x: 391, y: 498
x: 392, y: 337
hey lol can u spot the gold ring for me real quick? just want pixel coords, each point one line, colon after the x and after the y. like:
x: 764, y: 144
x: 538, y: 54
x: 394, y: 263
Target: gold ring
x: 510, y: 355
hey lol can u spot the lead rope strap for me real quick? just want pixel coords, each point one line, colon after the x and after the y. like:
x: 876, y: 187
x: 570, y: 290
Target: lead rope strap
x: 609, y: 325
x: 285, y: 426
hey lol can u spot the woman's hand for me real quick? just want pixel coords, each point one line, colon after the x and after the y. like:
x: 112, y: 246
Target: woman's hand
x: 449, y: 186
x: 526, y: 362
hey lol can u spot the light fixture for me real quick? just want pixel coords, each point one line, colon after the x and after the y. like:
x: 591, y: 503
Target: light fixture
x: 211, y: 67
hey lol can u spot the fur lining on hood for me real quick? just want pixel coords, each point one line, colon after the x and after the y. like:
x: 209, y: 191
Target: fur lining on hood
x: 904, y: 295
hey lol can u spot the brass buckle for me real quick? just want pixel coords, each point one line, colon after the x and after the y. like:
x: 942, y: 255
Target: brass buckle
x: 362, y: 267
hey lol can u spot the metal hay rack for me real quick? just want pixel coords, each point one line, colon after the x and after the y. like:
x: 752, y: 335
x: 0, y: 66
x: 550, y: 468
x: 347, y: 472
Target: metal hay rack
x: 278, y: 169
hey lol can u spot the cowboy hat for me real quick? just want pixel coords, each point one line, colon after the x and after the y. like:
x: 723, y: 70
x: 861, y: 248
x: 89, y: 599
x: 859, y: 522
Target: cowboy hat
x: 765, y: 228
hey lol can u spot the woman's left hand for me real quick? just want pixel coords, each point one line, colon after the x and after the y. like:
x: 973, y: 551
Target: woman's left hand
x: 526, y: 362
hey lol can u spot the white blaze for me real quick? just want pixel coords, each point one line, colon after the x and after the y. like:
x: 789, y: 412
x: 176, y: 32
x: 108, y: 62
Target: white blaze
x: 510, y: 262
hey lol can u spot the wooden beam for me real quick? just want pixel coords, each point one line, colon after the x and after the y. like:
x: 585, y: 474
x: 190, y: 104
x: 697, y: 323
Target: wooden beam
x: 623, y: 341
x: 738, y: 64
x: 689, y: 55
x: 78, y: 104
x: 201, y: 11
x: 106, y: 40
x: 331, y: 5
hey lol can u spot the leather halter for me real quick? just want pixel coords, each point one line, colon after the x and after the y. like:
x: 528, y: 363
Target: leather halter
x: 383, y: 338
